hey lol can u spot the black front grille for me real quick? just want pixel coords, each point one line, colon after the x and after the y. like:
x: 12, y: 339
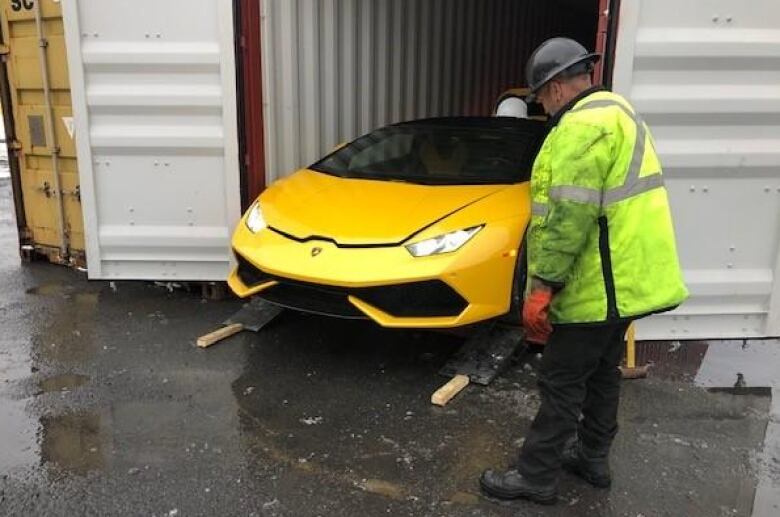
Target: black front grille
x: 249, y: 274
x: 429, y: 299
x: 312, y: 298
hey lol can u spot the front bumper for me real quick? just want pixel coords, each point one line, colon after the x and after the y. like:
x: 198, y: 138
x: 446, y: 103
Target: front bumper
x: 425, y: 299
x: 384, y: 284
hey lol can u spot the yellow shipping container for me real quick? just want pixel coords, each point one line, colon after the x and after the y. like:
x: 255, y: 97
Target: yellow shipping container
x: 37, y: 106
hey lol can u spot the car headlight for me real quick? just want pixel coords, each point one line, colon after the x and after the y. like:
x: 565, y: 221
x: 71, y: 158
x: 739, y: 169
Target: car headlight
x: 443, y: 243
x: 255, y: 220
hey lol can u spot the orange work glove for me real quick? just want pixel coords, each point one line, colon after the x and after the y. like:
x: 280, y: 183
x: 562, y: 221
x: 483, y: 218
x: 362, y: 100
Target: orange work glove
x: 536, y: 315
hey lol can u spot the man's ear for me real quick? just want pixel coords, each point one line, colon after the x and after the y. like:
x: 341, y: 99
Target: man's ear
x: 556, y: 92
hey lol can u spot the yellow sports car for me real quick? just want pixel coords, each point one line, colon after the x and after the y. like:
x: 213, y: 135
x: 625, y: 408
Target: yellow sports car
x: 417, y: 224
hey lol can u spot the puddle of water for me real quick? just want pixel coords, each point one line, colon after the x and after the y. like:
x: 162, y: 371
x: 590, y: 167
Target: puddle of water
x: 87, y: 300
x: 465, y: 498
x: 72, y: 442
x: 63, y: 382
x: 758, y: 362
x: 385, y: 488
x: 716, y: 364
x: 66, y: 336
x: 46, y: 289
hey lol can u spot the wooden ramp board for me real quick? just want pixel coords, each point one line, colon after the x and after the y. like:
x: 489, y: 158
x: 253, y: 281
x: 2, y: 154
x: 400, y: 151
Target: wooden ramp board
x: 449, y: 390
x: 252, y: 316
x: 255, y: 315
x: 485, y: 354
x: 219, y: 334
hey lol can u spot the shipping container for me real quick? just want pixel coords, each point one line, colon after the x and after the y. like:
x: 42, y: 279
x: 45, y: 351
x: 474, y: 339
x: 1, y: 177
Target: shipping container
x: 707, y: 81
x: 179, y: 119
x: 154, y: 98
x: 39, y: 130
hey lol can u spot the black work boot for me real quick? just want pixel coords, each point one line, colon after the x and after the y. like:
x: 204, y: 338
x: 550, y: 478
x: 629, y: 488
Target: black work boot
x: 590, y: 465
x: 511, y: 484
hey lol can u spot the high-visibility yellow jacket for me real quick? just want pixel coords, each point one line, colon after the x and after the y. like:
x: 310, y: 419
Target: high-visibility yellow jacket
x: 601, y: 229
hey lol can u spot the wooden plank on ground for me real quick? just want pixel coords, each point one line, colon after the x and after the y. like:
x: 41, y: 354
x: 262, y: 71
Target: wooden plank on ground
x: 219, y: 335
x: 449, y: 390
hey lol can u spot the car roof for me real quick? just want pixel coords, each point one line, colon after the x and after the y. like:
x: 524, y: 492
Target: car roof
x: 500, y: 123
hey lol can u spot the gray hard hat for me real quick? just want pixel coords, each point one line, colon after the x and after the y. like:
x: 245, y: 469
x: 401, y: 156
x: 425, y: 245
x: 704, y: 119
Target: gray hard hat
x: 555, y: 56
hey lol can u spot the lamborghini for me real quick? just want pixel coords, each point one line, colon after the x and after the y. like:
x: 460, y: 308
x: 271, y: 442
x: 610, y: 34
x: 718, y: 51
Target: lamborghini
x: 415, y: 225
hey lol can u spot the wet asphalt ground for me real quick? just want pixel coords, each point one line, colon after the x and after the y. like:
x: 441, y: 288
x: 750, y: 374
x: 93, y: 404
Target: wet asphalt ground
x: 108, y: 408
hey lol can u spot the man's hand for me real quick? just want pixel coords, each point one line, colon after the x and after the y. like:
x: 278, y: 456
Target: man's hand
x: 536, y: 313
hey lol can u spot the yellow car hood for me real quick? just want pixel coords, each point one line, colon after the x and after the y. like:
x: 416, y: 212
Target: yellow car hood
x: 360, y: 212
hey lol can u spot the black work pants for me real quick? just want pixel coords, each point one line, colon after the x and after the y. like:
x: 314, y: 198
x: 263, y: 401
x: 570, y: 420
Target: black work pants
x: 578, y: 376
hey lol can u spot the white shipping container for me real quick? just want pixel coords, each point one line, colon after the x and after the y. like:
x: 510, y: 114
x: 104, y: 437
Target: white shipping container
x: 154, y: 102
x: 152, y: 87
x: 705, y: 76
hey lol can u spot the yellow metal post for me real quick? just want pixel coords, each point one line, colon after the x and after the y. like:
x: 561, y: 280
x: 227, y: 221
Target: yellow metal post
x: 631, y: 370
x: 631, y: 347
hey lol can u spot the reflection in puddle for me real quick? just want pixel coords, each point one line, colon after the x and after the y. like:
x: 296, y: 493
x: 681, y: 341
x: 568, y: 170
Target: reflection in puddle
x: 722, y: 364
x: 72, y: 442
x: 757, y: 362
x: 63, y: 382
x: 755, y: 391
x: 673, y: 361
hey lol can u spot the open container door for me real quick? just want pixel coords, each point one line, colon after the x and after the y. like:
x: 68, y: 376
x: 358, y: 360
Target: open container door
x: 706, y: 78
x: 154, y: 102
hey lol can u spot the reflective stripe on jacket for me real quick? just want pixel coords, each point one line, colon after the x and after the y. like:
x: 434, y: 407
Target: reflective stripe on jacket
x: 601, y: 226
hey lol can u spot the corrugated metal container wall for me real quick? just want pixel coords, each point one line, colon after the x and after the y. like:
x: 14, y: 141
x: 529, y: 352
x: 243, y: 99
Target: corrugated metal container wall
x: 335, y: 69
x: 707, y: 81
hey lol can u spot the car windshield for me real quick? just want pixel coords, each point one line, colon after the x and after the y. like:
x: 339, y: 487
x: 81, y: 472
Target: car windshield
x: 442, y: 151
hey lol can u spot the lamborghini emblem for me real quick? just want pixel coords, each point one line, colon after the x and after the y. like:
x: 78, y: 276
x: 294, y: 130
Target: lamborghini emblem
x: 315, y: 251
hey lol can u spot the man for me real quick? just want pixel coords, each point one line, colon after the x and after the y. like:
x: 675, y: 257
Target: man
x: 601, y: 253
